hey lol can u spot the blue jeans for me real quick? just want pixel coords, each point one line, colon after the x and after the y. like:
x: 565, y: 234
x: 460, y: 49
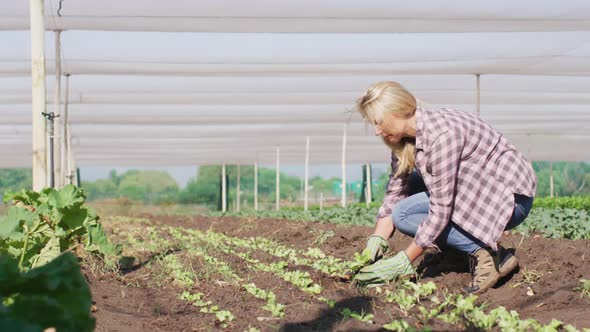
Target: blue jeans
x: 409, y: 213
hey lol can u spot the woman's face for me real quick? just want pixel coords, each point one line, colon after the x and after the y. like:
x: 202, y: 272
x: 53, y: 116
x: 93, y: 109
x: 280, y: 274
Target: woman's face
x: 392, y: 129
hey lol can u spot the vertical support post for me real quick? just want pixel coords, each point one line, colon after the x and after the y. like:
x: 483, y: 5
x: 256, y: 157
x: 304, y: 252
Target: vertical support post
x: 343, y: 201
x: 256, y: 184
x: 69, y: 175
x: 39, y: 125
x: 477, y: 76
x: 306, y: 185
x: 78, y: 179
x: 321, y: 201
x: 278, y: 182
x: 223, y: 189
x: 551, y: 187
x: 238, y: 190
x: 368, y: 195
x: 58, y: 126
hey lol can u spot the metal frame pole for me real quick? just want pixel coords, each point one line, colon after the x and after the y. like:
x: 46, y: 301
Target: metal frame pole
x: 51, y: 118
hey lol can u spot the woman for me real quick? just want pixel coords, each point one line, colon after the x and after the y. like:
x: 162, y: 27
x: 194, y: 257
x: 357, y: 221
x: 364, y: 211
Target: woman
x: 455, y: 182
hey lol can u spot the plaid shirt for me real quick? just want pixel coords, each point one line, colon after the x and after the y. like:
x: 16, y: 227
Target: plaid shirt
x: 471, y: 172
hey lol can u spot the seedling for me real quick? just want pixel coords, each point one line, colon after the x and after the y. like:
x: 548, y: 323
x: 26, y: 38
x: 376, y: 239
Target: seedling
x: 584, y: 288
x: 363, y: 317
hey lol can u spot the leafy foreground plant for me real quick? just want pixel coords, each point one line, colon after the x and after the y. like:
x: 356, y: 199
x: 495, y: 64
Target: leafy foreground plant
x: 52, y: 296
x: 42, y: 225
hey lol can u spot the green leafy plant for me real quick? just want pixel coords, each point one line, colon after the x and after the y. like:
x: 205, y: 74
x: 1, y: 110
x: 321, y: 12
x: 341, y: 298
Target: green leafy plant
x: 54, y: 295
x: 363, y: 317
x: 557, y: 223
x: 321, y: 236
x: 42, y: 225
x: 584, y: 287
x: 399, y: 325
x: 361, y: 260
x: 276, y: 309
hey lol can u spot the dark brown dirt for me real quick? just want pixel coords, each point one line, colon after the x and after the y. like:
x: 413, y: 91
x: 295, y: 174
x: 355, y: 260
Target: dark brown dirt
x: 132, y: 302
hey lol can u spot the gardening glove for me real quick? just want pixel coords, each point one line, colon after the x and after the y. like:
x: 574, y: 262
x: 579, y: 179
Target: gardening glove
x: 377, y: 246
x: 385, y: 270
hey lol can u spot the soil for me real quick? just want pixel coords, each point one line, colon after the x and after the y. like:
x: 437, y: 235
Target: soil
x: 137, y: 301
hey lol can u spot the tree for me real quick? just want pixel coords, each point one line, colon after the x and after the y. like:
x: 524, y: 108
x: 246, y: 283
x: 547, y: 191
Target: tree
x: 148, y: 186
x: 15, y: 179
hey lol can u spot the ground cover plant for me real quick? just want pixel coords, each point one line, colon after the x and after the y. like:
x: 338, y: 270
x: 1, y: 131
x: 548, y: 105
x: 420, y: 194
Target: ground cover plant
x: 564, y: 217
x: 250, y: 274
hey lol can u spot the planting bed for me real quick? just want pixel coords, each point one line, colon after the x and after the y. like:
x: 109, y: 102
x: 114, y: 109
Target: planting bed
x: 248, y: 274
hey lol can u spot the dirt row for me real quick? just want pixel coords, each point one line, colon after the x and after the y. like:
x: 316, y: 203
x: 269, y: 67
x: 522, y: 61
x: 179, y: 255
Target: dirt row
x: 550, y: 269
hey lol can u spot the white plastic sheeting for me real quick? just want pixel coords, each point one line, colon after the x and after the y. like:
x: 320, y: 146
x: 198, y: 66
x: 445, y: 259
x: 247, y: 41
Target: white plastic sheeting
x: 213, y: 82
x: 306, y: 15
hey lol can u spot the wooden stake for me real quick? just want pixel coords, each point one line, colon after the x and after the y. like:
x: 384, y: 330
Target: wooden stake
x: 69, y: 175
x: 306, y: 186
x: 238, y: 191
x: 478, y: 94
x: 223, y: 190
x: 58, y: 123
x: 278, y: 182
x: 343, y: 201
x: 39, y: 125
x: 256, y: 184
x: 368, y: 195
x: 551, y: 187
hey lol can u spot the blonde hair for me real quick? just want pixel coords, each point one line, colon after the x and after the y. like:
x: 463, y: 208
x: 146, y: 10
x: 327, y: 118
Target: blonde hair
x: 390, y: 97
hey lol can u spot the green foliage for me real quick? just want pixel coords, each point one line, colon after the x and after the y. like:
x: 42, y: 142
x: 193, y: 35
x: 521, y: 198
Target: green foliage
x: 223, y: 317
x: 557, y: 223
x: 363, y: 317
x: 569, y: 178
x: 276, y: 309
x: 354, y: 214
x: 584, y: 288
x: 53, y: 295
x: 399, y: 325
x: 204, y: 189
x: 42, y: 225
x: 553, y: 223
x: 361, y: 260
x: 14, y: 179
x: 146, y: 186
x: 572, y: 202
x: 149, y: 186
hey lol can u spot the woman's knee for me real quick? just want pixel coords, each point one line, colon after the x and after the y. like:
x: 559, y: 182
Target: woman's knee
x: 398, y: 215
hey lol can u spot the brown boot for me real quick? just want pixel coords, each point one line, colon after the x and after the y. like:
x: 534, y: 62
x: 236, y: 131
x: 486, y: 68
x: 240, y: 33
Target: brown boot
x: 507, y: 262
x: 483, y: 265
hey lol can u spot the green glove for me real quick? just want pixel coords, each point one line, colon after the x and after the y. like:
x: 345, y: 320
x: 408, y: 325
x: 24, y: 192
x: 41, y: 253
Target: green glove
x: 378, y: 247
x: 385, y: 270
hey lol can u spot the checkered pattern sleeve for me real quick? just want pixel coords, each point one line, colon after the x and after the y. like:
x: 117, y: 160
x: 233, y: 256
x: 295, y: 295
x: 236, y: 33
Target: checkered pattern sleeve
x: 395, y: 191
x: 443, y: 159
